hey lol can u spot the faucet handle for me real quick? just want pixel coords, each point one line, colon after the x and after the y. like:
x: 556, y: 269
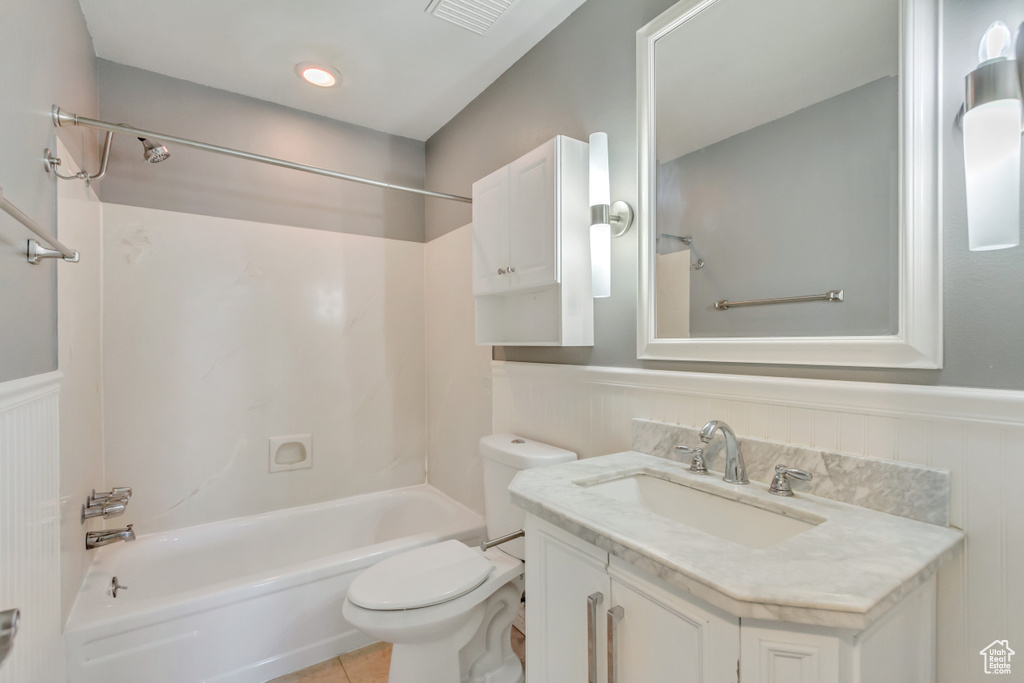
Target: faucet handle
x: 780, y: 483
x: 119, y: 493
x: 697, y: 465
x: 108, y: 509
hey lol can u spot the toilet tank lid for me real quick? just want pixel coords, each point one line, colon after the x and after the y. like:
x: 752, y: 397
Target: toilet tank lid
x: 522, y: 453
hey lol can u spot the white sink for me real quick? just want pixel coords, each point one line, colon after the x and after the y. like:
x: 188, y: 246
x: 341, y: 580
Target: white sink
x: 727, y: 519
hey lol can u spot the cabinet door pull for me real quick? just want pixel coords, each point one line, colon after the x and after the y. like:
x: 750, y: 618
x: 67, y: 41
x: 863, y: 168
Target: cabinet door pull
x: 593, y: 600
x: 615, y: 614
x: 501, y: 271
x: 511, y: 269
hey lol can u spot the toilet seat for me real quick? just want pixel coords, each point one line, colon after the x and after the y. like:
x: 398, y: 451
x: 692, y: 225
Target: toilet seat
x: 422, y: 577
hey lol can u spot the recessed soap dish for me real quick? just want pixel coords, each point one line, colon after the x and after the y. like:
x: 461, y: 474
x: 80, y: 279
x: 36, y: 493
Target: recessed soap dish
x: 291, y: 452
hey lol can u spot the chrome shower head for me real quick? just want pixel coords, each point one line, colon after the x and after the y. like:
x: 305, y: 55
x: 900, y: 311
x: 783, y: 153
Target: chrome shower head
x: 154, y: 153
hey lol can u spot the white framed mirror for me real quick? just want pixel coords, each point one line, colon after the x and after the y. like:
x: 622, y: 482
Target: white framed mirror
x: 789, y: 150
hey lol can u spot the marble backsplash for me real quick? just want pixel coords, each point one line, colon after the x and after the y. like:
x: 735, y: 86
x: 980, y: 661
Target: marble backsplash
x: 897, y: 488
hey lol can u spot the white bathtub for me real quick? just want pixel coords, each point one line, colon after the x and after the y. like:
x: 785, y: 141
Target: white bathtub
x: 248, y: 599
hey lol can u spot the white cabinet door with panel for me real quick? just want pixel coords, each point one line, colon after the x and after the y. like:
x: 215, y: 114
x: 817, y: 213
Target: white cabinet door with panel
x: 659, y: 637
x: 533, y: 225
x: 490, y: 247
x: 566, y: 603
x: 590, y: 621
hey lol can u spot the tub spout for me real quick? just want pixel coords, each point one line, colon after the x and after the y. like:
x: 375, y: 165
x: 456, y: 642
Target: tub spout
x: 97, y: 539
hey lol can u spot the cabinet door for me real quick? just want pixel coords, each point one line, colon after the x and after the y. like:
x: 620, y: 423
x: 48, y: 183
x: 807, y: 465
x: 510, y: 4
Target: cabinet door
x: 491, y: 233
x: 795, y: 654
x: 533, y: 243
x: 560, y: 577
x: 662, y: 638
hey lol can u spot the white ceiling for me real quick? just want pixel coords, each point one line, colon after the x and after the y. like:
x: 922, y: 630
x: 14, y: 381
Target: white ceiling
x: 743, y: 63
x: 404, y: 71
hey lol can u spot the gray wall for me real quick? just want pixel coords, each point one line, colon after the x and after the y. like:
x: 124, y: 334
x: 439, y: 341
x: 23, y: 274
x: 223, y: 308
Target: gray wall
x: 47, y: 58
x: 581, y: 79
x: 803, y: 204
x: 202, y: 183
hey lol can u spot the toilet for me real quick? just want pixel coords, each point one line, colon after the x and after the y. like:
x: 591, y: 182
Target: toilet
x: 448, y: 608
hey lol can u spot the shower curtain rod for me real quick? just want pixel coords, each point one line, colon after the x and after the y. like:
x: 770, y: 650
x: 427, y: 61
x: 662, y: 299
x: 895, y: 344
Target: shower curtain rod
x: 62, y: 118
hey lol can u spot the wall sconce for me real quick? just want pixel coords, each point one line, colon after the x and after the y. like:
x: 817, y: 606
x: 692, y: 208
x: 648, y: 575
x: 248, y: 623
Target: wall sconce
x: 992, y: 128
x: 606, y: 218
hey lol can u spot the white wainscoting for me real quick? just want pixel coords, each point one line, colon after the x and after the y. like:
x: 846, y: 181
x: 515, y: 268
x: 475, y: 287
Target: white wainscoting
x: 30, y: 526
x: 976, y: 434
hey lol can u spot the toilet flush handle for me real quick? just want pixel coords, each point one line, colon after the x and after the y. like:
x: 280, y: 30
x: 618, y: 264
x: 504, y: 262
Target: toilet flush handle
x: 502, y: 539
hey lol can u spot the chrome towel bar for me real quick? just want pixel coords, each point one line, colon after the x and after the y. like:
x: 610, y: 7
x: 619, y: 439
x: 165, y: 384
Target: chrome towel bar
x: 835, y: 295
x: 35, y: 251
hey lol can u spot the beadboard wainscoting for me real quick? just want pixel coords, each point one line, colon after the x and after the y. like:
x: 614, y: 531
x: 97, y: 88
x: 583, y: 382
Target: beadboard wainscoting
x: 30, y: 526
x: 978, y: 435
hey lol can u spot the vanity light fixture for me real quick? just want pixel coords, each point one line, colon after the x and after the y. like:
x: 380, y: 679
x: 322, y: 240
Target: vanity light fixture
x: 606, y: 218
x: 317, y: 74
x: 992, y: 137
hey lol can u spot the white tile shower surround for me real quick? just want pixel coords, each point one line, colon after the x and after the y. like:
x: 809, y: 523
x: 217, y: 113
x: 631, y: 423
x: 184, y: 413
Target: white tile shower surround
x: 220, y: 333
x: 978, y: 435
x: 458, y: 371
x: 79, y: 359
x: 30, y: 526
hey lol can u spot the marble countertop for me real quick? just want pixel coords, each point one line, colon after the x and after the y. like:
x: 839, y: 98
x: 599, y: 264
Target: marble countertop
x: 846, y: 572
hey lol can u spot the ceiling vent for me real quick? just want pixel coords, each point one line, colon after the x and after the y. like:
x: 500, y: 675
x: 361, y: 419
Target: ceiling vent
x: 474, y: 15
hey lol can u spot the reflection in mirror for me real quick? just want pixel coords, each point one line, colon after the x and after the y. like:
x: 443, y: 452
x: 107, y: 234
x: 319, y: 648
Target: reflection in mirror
x: 789, y: 149
x: 777, y: 140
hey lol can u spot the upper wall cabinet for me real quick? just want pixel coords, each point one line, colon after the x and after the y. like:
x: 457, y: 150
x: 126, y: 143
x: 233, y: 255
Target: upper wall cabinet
x: 531, y: 254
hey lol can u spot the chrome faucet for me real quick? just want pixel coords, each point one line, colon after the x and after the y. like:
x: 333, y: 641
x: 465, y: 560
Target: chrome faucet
x: 735, y: 468
x: 97, y: 539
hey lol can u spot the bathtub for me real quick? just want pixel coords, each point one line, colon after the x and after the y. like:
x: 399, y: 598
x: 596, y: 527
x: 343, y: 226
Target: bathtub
x: 249, y: 599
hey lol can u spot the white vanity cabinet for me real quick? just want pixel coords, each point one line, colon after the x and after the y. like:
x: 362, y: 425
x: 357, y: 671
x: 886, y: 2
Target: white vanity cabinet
x: 574, y: 633
x: 666, y: 635
x: 531, y: 250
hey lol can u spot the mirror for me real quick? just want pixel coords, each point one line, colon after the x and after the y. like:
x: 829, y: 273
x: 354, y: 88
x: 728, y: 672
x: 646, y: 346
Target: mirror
x: 788, y: 151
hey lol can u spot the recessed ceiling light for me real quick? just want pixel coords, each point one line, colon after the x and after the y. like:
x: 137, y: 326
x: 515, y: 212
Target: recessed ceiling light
x: 317, y: 74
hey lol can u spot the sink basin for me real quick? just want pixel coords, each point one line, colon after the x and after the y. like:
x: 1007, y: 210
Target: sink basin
x: 731, y: 520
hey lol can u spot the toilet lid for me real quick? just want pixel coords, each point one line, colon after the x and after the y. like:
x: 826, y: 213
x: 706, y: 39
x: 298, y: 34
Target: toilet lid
x: 419, y: 578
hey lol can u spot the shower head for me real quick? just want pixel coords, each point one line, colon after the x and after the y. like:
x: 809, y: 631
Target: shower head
x: 154, y: 153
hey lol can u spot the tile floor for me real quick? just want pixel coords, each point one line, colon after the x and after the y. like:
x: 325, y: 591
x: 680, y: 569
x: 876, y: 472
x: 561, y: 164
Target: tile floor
x: 368, y: 665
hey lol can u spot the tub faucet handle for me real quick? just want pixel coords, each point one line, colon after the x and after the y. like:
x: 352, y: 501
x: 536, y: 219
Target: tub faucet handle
x: 121, y: 493
x: 104, y: 509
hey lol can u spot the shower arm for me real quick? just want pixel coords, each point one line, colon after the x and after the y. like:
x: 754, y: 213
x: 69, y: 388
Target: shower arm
x: 62, y: 118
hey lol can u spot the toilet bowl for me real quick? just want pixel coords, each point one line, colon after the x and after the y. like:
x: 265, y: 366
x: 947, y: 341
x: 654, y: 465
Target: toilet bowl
x: 447, y: 608
x: 432, y: 603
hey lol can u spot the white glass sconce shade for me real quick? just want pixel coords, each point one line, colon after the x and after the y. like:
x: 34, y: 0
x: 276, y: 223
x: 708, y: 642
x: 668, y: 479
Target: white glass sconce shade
x: 992, y: 161
x: 600, y: 192
x: 600, y: 228
x: 601, y: 259
x: 992, y: 139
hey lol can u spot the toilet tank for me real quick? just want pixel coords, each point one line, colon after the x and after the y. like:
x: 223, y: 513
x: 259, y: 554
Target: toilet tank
x: 503, y: 456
